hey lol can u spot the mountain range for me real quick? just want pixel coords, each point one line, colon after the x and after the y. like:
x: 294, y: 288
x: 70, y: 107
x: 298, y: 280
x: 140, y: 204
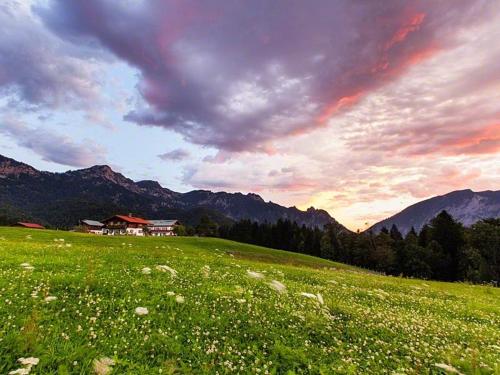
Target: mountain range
x: 62, y: 199
x: 466, y: 206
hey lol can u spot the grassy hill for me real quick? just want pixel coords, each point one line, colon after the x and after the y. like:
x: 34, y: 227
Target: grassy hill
x: 225, y: 307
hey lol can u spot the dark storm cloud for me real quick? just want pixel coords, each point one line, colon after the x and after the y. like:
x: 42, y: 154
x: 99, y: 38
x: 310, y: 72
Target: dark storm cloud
x: 238, y: 75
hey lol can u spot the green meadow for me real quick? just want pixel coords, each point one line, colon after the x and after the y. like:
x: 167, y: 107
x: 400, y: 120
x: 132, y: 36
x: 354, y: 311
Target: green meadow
x: 81, y: 304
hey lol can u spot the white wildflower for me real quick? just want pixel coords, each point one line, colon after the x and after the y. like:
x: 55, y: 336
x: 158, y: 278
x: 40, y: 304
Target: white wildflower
x: 170, y: 294
x: 25, y: 265
x: 205, y: 270
x: 179, y: 299
x: 103, y: 366
x: 20, y: 371
x: 308, y: 295
x: 255, y: 275
x: 141, y: 311
x: 30, y: 361
x: 164, y: 268
x: 50, y: 298
x: 319, y: 297
x: 241, y: 300
x: 146, y: 270
x: 276, y: 285
x: 448, y: 368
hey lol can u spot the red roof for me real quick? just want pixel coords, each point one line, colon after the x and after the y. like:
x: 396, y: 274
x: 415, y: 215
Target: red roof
x: 31, y: 225
x: 130, y: 219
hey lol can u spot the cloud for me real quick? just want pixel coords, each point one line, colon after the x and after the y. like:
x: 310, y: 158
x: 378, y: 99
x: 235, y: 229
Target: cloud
x: 432, y: 131
x: 51, y: 146
x: 37, y: 69
x: 237, y: 76
x: 175, y: 155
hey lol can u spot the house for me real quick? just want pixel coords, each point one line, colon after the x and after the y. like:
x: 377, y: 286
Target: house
x: 125, y: 225
x: 161, y: 228
x: 29, y: 225
x: 92, y: 226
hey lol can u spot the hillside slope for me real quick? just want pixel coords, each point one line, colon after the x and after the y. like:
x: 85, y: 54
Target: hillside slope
x: 61, y: 199
x: 216, y: 306
x: 466, y: 206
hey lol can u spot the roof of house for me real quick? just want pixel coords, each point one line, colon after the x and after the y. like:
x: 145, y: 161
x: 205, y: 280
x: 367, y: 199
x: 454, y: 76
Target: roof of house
x: 31, y: 225
x: 163, y: 222
x: 92, y: 223
x: 130, y: 219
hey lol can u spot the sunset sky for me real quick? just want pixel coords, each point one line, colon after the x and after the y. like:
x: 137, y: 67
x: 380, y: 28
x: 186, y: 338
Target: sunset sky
x: 357, y: 107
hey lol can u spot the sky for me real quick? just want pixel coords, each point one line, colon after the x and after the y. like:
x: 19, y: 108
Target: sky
x: 357, y: 107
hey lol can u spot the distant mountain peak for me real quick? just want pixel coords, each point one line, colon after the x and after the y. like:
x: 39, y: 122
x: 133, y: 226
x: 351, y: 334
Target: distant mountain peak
x: 466, y: 206
x: 149, y: 184
x: 257, y: 197
x: 103, y: 170
x: 11, y: 167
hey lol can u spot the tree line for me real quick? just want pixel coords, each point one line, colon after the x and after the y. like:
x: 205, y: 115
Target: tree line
x: 443, y: 249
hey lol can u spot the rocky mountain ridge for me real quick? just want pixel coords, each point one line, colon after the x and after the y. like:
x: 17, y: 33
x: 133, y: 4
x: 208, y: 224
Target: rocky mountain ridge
x: 61, y: 199
x: 466, y: 206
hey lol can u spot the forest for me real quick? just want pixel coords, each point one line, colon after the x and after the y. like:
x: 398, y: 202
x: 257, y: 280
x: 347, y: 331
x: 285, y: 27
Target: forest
x: 442, y: 250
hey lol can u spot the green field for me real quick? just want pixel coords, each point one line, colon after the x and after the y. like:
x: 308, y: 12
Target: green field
x: 208, y: 314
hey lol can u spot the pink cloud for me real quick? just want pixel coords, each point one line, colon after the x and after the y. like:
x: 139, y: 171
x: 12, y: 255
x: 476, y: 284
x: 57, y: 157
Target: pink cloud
x: 238, y: 76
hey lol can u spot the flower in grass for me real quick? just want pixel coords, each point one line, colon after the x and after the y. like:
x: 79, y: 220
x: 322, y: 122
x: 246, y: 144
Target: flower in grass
x: 50, y: 298
x: 146, y: 270
x: 20, y: 371
x: 319, y: 297
x: 308, y: 295
x: 164, y: 268
x: 205, y: 270
x: 276, y: 285
x: 103, y: 366
x: 30, y: 361
x: 25, y: 265
x: 141, y: 311
x: 170, y: 294
x: 179, y: 299
x: 448, y: 368
x: 255, y: 275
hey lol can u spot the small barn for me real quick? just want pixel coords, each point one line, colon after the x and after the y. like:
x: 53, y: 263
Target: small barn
x: 29, y: 225
x: 92, y: 226
x: 125, y: 225
x: 161, y: 228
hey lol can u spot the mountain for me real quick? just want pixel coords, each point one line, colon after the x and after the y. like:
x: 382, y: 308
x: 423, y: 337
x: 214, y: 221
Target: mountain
x: 61, y: 199
x: 466, y: 206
